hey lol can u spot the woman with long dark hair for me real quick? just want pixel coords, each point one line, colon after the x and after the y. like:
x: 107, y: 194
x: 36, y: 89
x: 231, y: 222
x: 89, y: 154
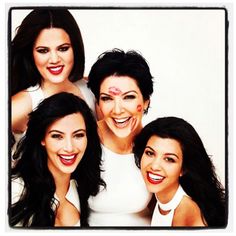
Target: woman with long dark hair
x: 178, y: 170
x: 47, y: 57
x: 58, y: 165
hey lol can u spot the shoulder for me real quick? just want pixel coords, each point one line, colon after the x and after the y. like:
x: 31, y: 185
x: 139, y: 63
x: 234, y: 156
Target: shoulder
x: 21, y: 106
x: 21, y: 97
x: 188, y: 213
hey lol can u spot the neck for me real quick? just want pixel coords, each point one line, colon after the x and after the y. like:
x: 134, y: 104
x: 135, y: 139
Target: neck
x: 115, y: 143
x: 62, y: 183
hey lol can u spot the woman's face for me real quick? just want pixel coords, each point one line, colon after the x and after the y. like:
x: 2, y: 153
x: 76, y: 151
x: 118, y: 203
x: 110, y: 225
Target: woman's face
x: 65, y: 142
x: 122, y: 105
x: 161, y: 166
x: 53, y: 55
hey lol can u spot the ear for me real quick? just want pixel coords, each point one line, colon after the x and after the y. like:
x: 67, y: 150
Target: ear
x: 146, y: 104
x: 43, y: 142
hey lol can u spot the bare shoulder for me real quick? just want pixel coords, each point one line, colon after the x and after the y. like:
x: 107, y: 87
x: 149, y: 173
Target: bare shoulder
x: 21, y: 106
x: 188, y: 213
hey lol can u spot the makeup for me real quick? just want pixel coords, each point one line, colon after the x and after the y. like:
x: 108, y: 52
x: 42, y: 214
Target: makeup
x: 114, y: 91
x: 139, y: 108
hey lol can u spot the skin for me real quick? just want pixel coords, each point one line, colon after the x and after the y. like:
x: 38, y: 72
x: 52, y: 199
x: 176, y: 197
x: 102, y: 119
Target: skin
x: 161, y: 167
x: 119, y: 100
x: 54, y: 58
x: 65, y: 139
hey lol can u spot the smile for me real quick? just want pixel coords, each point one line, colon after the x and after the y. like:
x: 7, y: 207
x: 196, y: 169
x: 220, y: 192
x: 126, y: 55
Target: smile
x: 68, y: 159
x: 121, y: 122
x: 55, y: 70
x: 154, y: 178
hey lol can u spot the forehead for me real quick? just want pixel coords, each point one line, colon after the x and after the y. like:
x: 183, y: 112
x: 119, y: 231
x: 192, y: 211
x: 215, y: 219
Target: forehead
x: 70, y: 122
x: 54, y: 36
x: 165, y: 145
x: 123, y: 83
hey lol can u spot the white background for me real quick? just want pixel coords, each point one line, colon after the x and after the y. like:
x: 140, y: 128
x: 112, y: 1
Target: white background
x: 185, y: 50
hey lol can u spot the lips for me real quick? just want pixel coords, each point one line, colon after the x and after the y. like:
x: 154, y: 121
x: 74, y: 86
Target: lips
x: 68, y: 159
x: 55, y: 70
x: 154, y: 178
x: 121, y: 122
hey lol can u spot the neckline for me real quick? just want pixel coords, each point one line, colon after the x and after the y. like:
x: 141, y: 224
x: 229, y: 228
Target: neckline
x: 174, y: 202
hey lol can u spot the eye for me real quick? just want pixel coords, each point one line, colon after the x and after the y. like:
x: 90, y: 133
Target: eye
x: 79, y: 135
x: 169, y: 159
x: 149, y: 153
x: 42, y: 50
x: 64, y: 48
x: 105, y: 98
x: 56, y: 136
x: 129, y: 97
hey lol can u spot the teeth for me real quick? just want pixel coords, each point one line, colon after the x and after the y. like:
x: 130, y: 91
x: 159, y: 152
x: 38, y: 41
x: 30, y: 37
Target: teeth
x: 155, y: 177
x: 55, y: 68
x: 122, y: 120
x: 67, y: 157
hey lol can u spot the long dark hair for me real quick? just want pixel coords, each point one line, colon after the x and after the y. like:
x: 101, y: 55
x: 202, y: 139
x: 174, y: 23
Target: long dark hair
x: 35, y: 205
x: 23, y: 72
x: 199, y: 179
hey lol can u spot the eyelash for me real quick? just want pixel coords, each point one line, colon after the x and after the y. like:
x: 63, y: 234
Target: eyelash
x: 45, y: 50
x: 58, y: 136
x: 149, y: 153
x: 104, y: 99
x: 129, y: 97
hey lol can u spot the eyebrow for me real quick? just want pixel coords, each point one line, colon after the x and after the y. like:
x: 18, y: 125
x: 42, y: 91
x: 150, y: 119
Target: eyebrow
x: 168, y: 153
x: 61, y: 45
x: 58, y: 131
x: 130, y: 91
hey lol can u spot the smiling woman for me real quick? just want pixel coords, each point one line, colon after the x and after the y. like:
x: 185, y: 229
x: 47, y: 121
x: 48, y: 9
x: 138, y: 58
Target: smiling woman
x: 177, y: 169
x: 122, y: 84
x: 53, y: 37
x: 58, y: 165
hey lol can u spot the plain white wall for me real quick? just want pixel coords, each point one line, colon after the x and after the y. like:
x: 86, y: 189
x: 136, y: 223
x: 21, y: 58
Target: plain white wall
x: 185, y: 49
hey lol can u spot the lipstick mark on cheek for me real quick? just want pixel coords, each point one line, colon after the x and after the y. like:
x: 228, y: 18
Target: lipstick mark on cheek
x: 114, y: 91
x: 139, y: 108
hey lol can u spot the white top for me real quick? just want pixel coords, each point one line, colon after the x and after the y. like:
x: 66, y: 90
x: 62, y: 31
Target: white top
x: 125, y: 199
x: 37, y: 95
x: 72, y: 195
x: 166, y: 220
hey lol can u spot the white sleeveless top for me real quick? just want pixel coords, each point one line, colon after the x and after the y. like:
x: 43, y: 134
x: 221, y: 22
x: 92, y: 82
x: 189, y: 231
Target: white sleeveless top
x: 17, y: 187
x: 166, y: 220
x: 125, y: 199
x: 37, y: 95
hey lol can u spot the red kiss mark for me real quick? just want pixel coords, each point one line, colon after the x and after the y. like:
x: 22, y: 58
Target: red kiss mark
x: 139, y: 108
x: 114, y: 91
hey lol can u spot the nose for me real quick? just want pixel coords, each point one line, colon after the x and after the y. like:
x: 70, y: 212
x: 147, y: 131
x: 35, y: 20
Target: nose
x: 68, y: 145
x: 156, y: 164
x: 54, y: 57
x: 118, y: 107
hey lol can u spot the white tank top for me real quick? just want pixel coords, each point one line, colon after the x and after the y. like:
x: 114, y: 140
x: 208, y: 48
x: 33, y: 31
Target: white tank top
x: 125, y: 199
x: 166, y: 220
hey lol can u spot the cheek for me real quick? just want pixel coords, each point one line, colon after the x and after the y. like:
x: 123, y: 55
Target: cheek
x: 139, y: 108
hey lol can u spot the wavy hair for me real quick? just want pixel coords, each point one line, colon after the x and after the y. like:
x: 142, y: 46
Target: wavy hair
x: 23, y: 72
x: 35, y: 208
x: 199, y: 179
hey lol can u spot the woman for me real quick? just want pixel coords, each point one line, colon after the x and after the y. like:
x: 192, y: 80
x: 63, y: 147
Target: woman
x: 122, y: 85
x: 47, y: 57
x: 177, y: 169
x: 59, y: 165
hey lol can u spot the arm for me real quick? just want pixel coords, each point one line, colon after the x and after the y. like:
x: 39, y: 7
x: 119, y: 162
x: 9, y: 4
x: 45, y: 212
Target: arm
x: 21, y: 106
